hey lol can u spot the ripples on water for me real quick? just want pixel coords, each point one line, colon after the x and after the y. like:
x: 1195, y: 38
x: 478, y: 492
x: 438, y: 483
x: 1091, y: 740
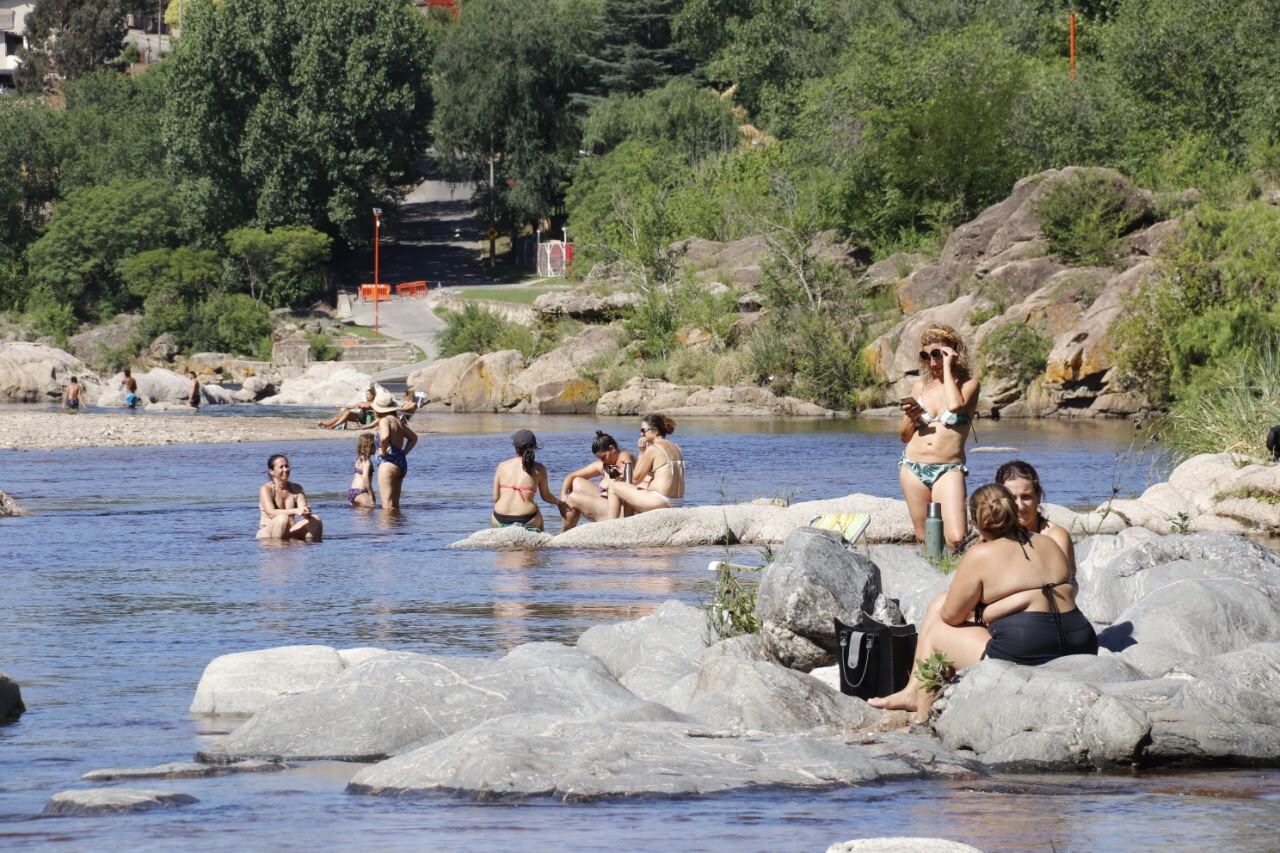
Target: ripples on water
x: 140, y: 566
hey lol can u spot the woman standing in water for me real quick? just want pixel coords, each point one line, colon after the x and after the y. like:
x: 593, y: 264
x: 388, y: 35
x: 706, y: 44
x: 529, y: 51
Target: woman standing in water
x: 662, y: 462
x: 516, y: 481
x: 283, y: 512
x: 584, y: 497
x: 936, y: 420
x: 395, y: 441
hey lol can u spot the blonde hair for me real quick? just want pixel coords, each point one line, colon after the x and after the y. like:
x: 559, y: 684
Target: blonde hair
x: 365, y: 445
x: 947, y: 336
x: 994, y: 511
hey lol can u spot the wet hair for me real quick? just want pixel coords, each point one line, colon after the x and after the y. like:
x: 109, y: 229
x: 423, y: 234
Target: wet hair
x: 995, y: 512
x: 663, y: 424
x: 1019, y: 470
x: 128, y: 372
x: 73, y: 379
x: 365, y: 445
x: 603, y: 443
x: 525, y: 447
x: 938, y: 333
x: 271, y: 461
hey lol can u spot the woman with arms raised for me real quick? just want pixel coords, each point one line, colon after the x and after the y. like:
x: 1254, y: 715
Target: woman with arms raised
x: 584, y: 497
x: 516, y: 481
x: 1011, y: 599
x: 936, y: 420
x: 661, y: 463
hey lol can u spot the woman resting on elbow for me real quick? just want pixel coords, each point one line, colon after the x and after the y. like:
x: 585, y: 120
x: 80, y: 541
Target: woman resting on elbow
x: 1011, y: 599
x: 515, y: 483
x: 661, y: 462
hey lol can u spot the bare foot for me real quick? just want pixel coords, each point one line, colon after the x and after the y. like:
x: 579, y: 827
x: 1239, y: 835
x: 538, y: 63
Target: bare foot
x: 903, y: 700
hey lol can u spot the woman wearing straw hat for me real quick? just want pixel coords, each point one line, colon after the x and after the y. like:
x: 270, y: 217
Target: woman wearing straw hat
x: 395, y: 440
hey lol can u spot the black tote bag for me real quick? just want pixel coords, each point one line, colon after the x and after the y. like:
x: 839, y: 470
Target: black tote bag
x: 874, y: 659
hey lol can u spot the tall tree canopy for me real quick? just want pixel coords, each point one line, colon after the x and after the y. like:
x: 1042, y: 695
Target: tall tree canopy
x: 70, y: 38
x: 296, y: 111
x: 636, y: 48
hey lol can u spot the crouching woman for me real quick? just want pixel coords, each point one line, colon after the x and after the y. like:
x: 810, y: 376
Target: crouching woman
x: 1012, y: 598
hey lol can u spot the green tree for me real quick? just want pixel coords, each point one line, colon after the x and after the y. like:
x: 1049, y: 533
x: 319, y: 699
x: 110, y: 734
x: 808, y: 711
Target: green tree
x: 92, y: 231
x: 636, y: 49
x: 110, y: 127
x: 296, y: 112
x: 70, y: 38
x: 282, y: 266
x: 28, y: 172
x: 171, y: 282
x: 694, y: 119
x: 512, y: 110
x: 231, y: 322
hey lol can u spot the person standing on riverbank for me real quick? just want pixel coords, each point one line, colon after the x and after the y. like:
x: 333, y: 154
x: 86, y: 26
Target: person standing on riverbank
x: 130, y: 386
x: 193, y: 393
x: 932, y: 468
x: 283, y: 511
x: 395, y: 441
x: 71, y: 398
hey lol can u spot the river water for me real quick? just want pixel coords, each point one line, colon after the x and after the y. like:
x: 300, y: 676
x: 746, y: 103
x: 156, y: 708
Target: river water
x: 139, y: 566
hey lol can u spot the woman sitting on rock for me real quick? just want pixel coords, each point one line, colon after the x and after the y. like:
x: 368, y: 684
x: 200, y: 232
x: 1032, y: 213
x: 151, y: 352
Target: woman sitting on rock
x: 360, y: 414
x: 1023, y: 483
x: 283, y: 512
x: 936, y: 420
x: 1011, y: 599
x: 516, y: 481
x: 584, y: 497
x: 661, y: 463
x: 395, y: 440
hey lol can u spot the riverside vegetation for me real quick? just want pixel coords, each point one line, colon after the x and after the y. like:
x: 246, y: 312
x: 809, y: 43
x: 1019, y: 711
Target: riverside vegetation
x: 842, y: 143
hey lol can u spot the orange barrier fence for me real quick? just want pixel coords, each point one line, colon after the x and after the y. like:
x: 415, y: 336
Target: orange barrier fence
x: 412, y: 288
x: 375, y: 292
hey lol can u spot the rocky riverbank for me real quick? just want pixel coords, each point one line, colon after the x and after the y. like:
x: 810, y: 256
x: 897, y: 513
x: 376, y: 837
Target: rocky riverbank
x: 58, y: 430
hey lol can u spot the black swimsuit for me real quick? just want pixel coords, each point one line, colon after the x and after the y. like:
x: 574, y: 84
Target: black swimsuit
x: 1036, y: 638
x: 515, y: 519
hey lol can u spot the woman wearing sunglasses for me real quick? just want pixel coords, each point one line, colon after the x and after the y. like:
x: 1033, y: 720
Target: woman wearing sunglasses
x: 936, y: 420
x: 661, y: 462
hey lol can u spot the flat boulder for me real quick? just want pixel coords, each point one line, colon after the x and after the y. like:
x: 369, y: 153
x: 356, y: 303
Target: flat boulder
x: 578, y: 304
x: 540, y: 755
x: 650, y: 655
x: 90, y: 801
x: 395, y: 702
x: 245, y: 682
x: 1198, y: 618
x: 814, y: 580
x: 181, y: 770
x: 760, y: 696
x: 641, y: 395
x: 515, y: 537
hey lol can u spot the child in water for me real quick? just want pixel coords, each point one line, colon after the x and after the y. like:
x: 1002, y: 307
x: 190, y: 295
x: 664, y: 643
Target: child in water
x: 360, y: 493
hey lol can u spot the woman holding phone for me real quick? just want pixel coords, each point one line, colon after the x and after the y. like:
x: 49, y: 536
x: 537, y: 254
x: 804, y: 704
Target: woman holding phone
x: 936, y: 421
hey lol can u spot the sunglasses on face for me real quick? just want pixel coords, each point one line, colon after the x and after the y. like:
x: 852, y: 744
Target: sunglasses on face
x: 643, y: 430
x: 931, y: 354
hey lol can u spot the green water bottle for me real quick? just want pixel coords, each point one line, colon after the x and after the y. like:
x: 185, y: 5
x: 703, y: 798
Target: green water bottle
x: 934, y: 541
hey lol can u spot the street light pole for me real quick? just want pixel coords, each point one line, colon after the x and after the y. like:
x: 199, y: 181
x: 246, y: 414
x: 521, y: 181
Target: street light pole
x: 377, y: 295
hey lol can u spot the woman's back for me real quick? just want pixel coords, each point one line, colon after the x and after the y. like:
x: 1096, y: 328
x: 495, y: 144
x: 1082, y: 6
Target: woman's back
x: 1014, y: 575
x: 516, y: 487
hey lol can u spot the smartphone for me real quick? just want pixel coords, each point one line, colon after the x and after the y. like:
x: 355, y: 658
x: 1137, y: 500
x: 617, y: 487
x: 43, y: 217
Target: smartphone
x: 909, y: 400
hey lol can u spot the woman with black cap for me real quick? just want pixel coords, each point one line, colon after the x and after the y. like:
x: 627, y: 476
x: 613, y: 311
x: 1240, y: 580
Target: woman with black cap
x: 516, y: 481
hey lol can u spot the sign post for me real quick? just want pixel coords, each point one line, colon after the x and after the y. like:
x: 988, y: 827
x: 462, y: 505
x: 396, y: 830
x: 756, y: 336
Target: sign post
x: 377, y: 234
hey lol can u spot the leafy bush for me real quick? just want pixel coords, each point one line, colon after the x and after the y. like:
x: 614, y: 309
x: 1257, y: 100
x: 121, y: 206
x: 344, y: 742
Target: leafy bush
x: 1016, y: 351
x: 693, y: 119
x: 284, y: 265
x: 689, y: 366
x: 231, y: 322
x: 476, y: 329
x: 51, y: 316
x: 1085, y: 215
x: 322, y: 347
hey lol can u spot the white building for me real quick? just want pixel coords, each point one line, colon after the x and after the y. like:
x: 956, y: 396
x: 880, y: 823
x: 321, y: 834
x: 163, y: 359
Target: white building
x: 13, y: 27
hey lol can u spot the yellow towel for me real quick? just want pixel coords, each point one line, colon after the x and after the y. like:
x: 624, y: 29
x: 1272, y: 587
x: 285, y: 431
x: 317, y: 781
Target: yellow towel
x: 850, y: 525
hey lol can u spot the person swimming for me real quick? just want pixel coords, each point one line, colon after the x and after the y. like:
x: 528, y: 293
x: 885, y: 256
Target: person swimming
x: 661, y: 464
x: 516, y: 481
x: 360, y: 492
x: 283, y: 511
x: 585, y: 497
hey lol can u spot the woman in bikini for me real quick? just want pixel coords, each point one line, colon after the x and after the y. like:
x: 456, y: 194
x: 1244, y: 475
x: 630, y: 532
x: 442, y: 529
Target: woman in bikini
x: 1023, y: 483
x: 1011, y: 599
x: 585, y: 497
x: 936, y: 420
x: 395, y: 441
x: 515, y: 483
x: 360, y: 492
x: 661, y: 462
x: 283, y: 511
x: 360, y: 414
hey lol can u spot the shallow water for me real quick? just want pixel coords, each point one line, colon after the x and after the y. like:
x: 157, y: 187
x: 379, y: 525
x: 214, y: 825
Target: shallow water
x: 139, y: 567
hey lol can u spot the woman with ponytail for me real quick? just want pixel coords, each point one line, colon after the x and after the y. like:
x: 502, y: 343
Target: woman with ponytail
x: 516, y: 482
x: 584, y: 497
x: 1011, y: 598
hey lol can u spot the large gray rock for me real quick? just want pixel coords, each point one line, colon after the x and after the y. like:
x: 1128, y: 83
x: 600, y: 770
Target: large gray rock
x: 394, y: 702
x: 759, y: 696
x: 157, y: 385
x: 649, y: 656
x: 908, y: 577
x: 581, y: 760
x: 325, y: 383
x: 589, y: 307
x: 9, y: 508
x: 509, y: 537
x: 568, y: 359
x: 11, y: 706
x: 102, y: 343
x: 1198, y: 618
x: 489, y: 383
x: 813, y: 580
x: 245, y: 682
x: 35, y: 373
x: 438, y: 379
x: 182, y: 770
x: 112, y: 800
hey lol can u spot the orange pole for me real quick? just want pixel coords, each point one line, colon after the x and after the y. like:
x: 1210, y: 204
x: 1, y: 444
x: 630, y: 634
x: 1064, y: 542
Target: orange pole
x: 377, y: 293
x: 1071, y: 26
